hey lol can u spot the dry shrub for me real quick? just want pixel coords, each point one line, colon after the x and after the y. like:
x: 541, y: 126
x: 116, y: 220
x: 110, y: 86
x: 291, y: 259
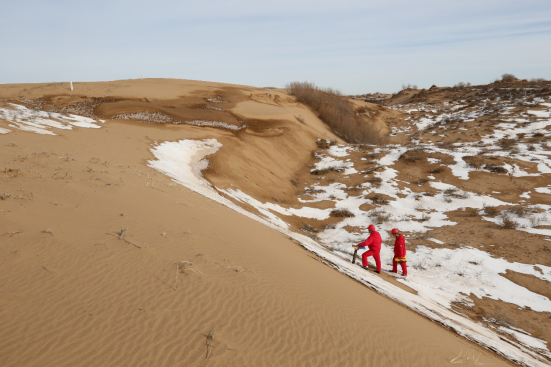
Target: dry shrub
x: 490, y: 210
x: 324, y: 171
x: 319, y: 172
x: 325, y: 143
x: 474, y: 161
x: 336, y: 111
x: 372, y: 155
x: 379, y: 199
x: 472, y: 212
x: 450, y: 192
x: 322, y: 143
x: 495, y: 168
x: 506, y: 143
x: 508, y: 77
x: 375, y: 181
x: 462, y: 85
x: 408, y: 86
x: 373, y: 169
x: 455, y: 193
x: 536, y: 220
x: 422, y: 181
x: 413, y: 155
x: 519, y: 211
x: 308, y: 229
x: 341, y: 213
x: 507, y: 222
x: 381, y: 216
x: 437, y: 170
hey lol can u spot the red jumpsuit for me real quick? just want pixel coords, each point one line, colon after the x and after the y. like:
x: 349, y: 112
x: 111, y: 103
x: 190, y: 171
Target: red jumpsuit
x: 374, y: 244
x: 399, y: 251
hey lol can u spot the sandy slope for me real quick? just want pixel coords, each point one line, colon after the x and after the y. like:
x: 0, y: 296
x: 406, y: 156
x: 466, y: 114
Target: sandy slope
x: 79, y: 296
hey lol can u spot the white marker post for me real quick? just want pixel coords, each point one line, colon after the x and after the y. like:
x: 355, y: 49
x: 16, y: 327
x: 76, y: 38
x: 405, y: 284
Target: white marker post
x: 71, y: 83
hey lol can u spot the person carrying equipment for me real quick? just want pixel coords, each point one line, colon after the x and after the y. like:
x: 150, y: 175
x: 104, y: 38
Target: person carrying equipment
x: 399, y: 253
x: 373, y: 242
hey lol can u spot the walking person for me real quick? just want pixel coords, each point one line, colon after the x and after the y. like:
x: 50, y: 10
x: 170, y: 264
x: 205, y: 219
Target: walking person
x: 399, y: 253
x: 373, y: 242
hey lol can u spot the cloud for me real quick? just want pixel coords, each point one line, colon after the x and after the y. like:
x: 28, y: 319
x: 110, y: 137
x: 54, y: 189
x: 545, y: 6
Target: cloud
x: 347, y: 45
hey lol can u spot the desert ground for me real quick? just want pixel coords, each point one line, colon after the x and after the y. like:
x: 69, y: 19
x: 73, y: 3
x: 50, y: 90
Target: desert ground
x: 183, y: 223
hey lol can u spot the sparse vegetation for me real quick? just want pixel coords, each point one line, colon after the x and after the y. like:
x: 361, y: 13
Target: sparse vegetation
x: 325, y: 143
x: 409, y: 86
x: 341, y: 213
x: 507, y: 222
x: 323, y: 171
x: 376, y: 181
x: 462, y: 85
x: 382, y: 217
x: 519, y: 211
x: 490, y: 210
x: 437, y: 170
x: 414, y: 155
x: 308, y: 229
x: 506, y: 143
x: 536, y: 220
x: 472, y: 212
x: 455, y: 193
x: 495, y: 168
x: 337, y: 112
x: 373, y: 169
x: 508, y: 77
x: 379, y: 199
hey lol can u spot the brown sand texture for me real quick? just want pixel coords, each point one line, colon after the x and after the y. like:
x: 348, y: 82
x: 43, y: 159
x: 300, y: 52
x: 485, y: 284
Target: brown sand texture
x: 106, y: 262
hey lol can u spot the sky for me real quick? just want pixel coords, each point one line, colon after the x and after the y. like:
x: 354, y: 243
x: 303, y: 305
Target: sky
x: 354, y: 46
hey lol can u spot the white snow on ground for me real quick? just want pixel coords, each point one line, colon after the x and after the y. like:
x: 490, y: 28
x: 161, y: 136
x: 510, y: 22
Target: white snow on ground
x: 40, y: 122
x: 329, y: 163
x: 461, y: 270
x: 525, y: 338
x: 543, y: 190
x: 339, y: 151
x: 528, y: 223
x: 540, y: 113
x: 4, y: 131
x: 184, y: 160
x: 266, y: 208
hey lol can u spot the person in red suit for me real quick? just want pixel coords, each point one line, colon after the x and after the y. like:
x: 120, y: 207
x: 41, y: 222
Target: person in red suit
x: 399, y: 253
x: 373, y: 242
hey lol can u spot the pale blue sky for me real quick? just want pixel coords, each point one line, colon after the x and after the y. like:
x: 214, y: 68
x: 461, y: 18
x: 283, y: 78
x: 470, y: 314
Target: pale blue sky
x: 354, y: 46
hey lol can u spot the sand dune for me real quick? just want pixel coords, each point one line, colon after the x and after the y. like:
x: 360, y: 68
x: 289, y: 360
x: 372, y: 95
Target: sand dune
x: 72, y: 293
